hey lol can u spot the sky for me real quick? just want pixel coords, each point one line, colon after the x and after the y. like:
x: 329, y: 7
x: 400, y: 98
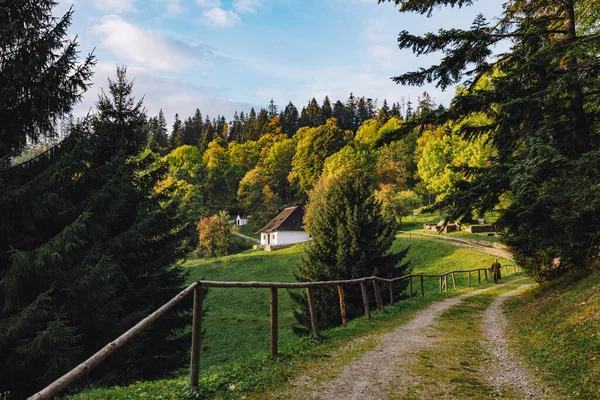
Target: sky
x: 223, y: 56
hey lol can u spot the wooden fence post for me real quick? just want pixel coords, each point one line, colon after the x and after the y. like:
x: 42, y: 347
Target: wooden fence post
x: 342, y: 304
x: 410, y: 287
x: 446, y: 282
x: 485, y: 273
x: 274, y: 321
x: 506, y: 269
x: 196, y: 338
x: 313, y: 312
x: 469, y: 279
x: 365, y: 297
x: 453, y: 281
x: 479, y: 276
x: 378, y: 296
x: 441, y: 285
x: 422, y: 287
x: 392, y: 294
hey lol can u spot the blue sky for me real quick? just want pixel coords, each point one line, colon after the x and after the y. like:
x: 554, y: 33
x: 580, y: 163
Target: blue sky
x: 227, y: 55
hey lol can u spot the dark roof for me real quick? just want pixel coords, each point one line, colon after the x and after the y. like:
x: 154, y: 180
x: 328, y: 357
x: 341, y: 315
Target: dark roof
x: 289, y: 219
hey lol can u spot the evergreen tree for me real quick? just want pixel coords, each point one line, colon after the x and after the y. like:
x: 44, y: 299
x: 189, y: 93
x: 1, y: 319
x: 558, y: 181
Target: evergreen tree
x: 39, y: 74
x: 543, y: 95
x: 272, y: 109
x: 176, y: 138
x: 89, y: 252
x: 395, y: 111
x: 362, y: 111
x: 340, y: 114
x: 304, y: 120
x: 350, y: 240
x: 289, y: 120
x: 351, y: 118
x: 314, y: 113
x: 384, y: 113
x: 326, y: 110
x: 250, y: 128
x: 425, y: 104
x: 262, y: 121
x: 159, y: 131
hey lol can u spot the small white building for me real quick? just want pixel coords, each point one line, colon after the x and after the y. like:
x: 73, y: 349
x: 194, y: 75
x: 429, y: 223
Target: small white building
x: 285, y: 228
x: 241, y: 220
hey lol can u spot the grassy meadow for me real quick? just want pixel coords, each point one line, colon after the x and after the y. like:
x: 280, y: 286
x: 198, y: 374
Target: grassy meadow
x: 236, y: 326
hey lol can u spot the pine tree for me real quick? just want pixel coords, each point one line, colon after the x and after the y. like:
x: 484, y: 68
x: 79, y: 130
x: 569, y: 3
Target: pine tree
x: 314, y: 114
x: 384, y: 113
x: 272, y: 109
x: 303, y: 120
x: 350, y: 240
x: 289, y: 119
x: 340, y: 114
x: 39, y: 74
x: 326, y: 110
x: 176, y: 138
x: 88, y: 252
x: 542, y: 97
x: 262, y: 121
x: 250, y: 128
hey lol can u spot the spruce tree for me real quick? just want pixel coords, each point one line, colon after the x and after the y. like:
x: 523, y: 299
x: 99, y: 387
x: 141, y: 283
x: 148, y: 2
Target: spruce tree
x: 289, y: 120
x: 176, y: 138
x: 350, y: 240
x: 89, y: 252
x: 542, y: 97
x: 40, y: 77
x: 272, y: 109
x: 326, y: 110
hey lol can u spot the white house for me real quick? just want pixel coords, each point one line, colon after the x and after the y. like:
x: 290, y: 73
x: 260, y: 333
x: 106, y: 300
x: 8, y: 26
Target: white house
x: 241, y: 220
x: 285, y: 228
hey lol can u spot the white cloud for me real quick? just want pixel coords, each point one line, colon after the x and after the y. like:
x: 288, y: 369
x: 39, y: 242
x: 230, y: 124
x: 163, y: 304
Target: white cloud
x: 246, y: 6
x: 115, y: 6
x: 173, y: 7
x: 209, y: 3
x: 216, y: 17
x: 133, y: 44
x: 170, y: 94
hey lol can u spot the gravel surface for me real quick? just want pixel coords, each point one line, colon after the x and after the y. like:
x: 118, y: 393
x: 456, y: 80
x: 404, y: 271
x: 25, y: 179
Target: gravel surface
x: 368, y: 376
x: 507, y: 370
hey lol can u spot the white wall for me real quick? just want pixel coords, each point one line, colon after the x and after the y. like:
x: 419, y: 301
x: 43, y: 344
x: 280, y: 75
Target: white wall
x: 284, y: 237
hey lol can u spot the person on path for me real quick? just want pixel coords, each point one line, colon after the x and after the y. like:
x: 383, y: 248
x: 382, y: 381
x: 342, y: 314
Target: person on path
x: 495, y: 270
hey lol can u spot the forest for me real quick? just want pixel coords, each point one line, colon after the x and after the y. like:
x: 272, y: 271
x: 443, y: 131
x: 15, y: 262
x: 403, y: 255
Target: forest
x: 95, y: 226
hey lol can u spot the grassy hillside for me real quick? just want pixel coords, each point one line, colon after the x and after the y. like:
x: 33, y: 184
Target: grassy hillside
x: 236, y: 327
x: 557, y: 327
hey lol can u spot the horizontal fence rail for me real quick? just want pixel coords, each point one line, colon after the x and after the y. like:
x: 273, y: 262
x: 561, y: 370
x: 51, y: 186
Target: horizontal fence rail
x: 197, y: 288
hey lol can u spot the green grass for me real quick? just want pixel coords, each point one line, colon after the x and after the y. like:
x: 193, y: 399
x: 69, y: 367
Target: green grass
x: 236, y: 327
x: 249, y: 229
x: 557, y: 328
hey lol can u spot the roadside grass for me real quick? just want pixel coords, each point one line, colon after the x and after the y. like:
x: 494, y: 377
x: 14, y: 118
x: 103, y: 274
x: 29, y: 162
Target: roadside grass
x: 235, y: 344
x: 456, y: 365
x: 557, y: 327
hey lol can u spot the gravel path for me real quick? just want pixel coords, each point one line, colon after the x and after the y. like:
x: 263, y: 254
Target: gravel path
x: 507, y: 370
x: 368, y: 376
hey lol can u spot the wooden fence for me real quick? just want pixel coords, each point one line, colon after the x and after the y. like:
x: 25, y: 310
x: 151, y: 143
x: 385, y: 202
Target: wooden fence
x: 197, y: 288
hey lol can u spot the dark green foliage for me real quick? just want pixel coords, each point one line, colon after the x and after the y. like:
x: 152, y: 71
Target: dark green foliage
x: 542, y: 98
x: 350, y: 240
x: 289, y: 120
x: 176, y: 138
x: 87, y: 252
x: 39, y: 74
